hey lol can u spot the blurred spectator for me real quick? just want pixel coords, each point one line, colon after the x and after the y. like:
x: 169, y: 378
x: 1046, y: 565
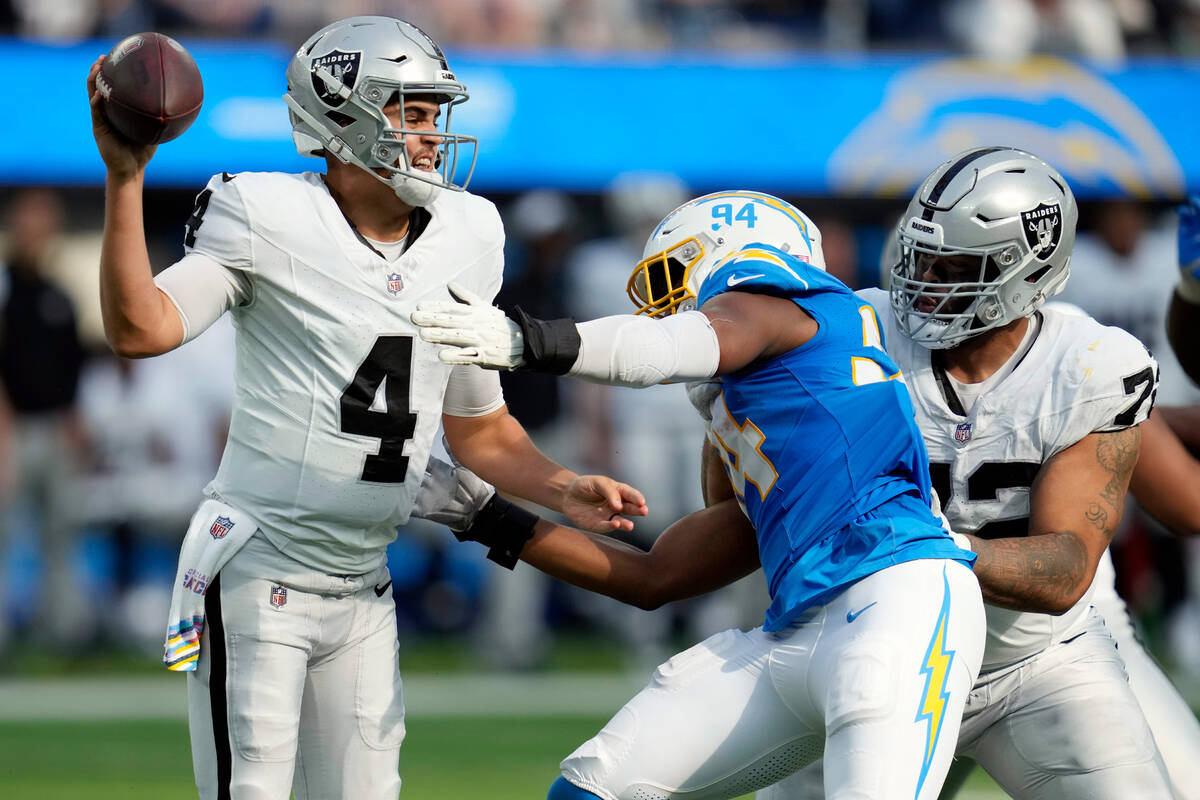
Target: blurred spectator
x: 841, y: 251
x: 40, y: 362
x: 1011, y: 30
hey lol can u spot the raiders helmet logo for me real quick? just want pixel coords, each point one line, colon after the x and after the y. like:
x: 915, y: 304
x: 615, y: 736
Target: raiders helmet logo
x: 343, y: 67
x: 1043, y: 229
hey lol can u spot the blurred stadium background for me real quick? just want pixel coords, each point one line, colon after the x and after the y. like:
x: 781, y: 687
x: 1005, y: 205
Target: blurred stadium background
x: 595, y: 117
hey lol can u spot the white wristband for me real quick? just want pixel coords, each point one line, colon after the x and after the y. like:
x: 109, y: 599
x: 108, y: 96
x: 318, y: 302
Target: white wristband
x: 962, y: 541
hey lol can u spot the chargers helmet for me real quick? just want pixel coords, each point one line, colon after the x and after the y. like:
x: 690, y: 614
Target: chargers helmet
x: 1005, y: 209
x: 338, y: 84
x: 702, y: 234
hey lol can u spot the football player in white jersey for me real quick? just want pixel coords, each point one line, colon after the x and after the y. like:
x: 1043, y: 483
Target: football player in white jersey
x: 294, y: 683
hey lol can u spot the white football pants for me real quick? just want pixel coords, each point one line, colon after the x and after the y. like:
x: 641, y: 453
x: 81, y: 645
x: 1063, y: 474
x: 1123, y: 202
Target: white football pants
x: 298, y: 685
x: 1067, y: 725
x: 877, y: 679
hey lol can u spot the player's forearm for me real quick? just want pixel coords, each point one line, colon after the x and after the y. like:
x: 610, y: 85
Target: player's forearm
x: 1166, y: 480
x: 1047, y: 573
x: 502, y: 453
x: 136, y: 314
x: 702, y: 552
x: 594, y: 562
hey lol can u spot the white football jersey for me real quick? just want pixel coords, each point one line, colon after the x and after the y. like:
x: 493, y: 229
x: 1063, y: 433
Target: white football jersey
x: 338, y: 398
x: 1078, y: 377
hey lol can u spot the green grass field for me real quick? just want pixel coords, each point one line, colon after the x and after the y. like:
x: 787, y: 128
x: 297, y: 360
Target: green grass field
x: 445, y: 758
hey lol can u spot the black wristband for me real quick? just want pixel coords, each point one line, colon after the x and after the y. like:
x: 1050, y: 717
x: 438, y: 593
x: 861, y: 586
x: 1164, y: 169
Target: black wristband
x: 504, y: 528
x: 551, y: 345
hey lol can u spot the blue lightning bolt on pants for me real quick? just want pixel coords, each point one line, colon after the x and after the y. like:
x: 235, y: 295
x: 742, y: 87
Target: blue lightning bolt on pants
x: 876, y: 679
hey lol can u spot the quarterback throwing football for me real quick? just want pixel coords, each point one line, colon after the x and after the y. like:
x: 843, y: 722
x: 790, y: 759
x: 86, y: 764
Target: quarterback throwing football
x: 294, y: 684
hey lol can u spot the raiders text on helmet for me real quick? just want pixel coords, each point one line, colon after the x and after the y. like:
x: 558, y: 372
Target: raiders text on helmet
x: 701, y: 234
x: 1003, y: 208
x: 341, y: 79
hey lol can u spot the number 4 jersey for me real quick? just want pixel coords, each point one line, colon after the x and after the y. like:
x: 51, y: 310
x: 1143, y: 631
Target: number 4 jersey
x: 1077, y: 377
x: 338, y: 399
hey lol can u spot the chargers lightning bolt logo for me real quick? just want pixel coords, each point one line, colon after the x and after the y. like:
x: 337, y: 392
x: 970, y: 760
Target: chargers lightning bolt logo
x: 937, y: 672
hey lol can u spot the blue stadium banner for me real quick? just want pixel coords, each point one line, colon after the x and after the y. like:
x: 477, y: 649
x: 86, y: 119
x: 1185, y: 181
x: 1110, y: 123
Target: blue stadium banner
x: 853, y: 126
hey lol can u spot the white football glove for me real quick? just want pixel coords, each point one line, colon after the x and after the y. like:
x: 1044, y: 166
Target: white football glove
x: 478, y: 333
x: 703, y: 394
x: 451, y: 496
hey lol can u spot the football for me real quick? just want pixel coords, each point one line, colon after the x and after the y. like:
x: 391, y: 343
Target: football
x: 150, y: 88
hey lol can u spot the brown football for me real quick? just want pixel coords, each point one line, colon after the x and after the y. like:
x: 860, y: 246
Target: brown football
x: 150, y: 88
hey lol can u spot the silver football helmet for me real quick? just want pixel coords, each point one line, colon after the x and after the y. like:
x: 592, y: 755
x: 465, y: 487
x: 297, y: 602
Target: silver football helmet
x: 999, y: 224
x: 341, y: 79
x: 704, y: 233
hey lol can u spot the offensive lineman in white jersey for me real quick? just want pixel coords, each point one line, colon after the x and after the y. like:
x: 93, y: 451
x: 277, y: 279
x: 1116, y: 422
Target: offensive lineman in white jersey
x: 295, y: 685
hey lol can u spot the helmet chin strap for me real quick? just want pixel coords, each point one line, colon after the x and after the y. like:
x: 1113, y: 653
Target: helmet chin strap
x: 413, y: 191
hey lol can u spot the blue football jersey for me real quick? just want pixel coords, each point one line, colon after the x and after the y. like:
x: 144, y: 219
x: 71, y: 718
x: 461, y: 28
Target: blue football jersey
x: 820, y: 443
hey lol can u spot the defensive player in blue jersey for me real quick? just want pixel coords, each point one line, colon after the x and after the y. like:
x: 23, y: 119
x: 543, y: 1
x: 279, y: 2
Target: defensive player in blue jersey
x: 875, y: 630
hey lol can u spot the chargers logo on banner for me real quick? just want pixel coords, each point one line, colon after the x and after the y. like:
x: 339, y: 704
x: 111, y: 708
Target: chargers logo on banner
x: 1073, y: 118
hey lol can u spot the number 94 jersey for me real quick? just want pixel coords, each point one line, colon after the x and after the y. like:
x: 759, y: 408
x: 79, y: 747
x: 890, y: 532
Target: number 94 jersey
x: 1077, y: 378
x: 338, y: 398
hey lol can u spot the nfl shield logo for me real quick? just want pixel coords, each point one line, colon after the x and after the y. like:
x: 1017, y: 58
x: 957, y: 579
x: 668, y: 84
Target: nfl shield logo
x: 963, y: 432
x: 395, y: 283
x: 220, y: 527
x: 278, y: 596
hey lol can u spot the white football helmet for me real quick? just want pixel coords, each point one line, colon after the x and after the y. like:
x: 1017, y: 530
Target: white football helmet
x: 702, y: 234
x: 338, y: 84
x: 1002, y: 208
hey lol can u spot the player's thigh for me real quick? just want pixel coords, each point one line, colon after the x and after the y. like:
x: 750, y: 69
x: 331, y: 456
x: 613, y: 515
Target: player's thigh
x: 897, y: 660
x: 352, y: 723
x: 244, y: 698
x: 708, y: 725
x: 1073, y: 730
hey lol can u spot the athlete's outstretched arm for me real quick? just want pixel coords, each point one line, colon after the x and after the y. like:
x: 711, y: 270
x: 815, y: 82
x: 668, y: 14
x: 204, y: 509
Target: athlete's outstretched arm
x: 731, y: 331
x: 700, y: 553
x: 1184, y: 422
x: 1166, y: 480
x: 1075, y: 506
x: 496, y: 447
x: 139, y: 320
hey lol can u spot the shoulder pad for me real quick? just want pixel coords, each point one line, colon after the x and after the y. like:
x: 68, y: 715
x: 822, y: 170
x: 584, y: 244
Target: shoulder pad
x: 1111, y: 375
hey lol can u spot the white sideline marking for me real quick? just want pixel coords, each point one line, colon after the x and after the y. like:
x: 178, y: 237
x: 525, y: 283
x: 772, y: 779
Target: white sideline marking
x: 165, y: 697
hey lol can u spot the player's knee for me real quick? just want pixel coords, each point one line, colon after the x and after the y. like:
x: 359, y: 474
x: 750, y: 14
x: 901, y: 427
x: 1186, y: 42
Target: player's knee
x: 563, y: 789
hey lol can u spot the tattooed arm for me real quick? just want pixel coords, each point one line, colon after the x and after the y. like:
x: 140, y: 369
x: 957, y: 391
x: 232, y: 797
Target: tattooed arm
x: 1075, y: 506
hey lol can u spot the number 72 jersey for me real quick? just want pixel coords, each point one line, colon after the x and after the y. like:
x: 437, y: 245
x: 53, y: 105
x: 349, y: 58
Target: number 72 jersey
x: 1077, y: 377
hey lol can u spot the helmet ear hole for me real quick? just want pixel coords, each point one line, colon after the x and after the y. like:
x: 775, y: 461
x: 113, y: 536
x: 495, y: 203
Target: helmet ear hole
x: 339, y: 119
x: 1037, y: 276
